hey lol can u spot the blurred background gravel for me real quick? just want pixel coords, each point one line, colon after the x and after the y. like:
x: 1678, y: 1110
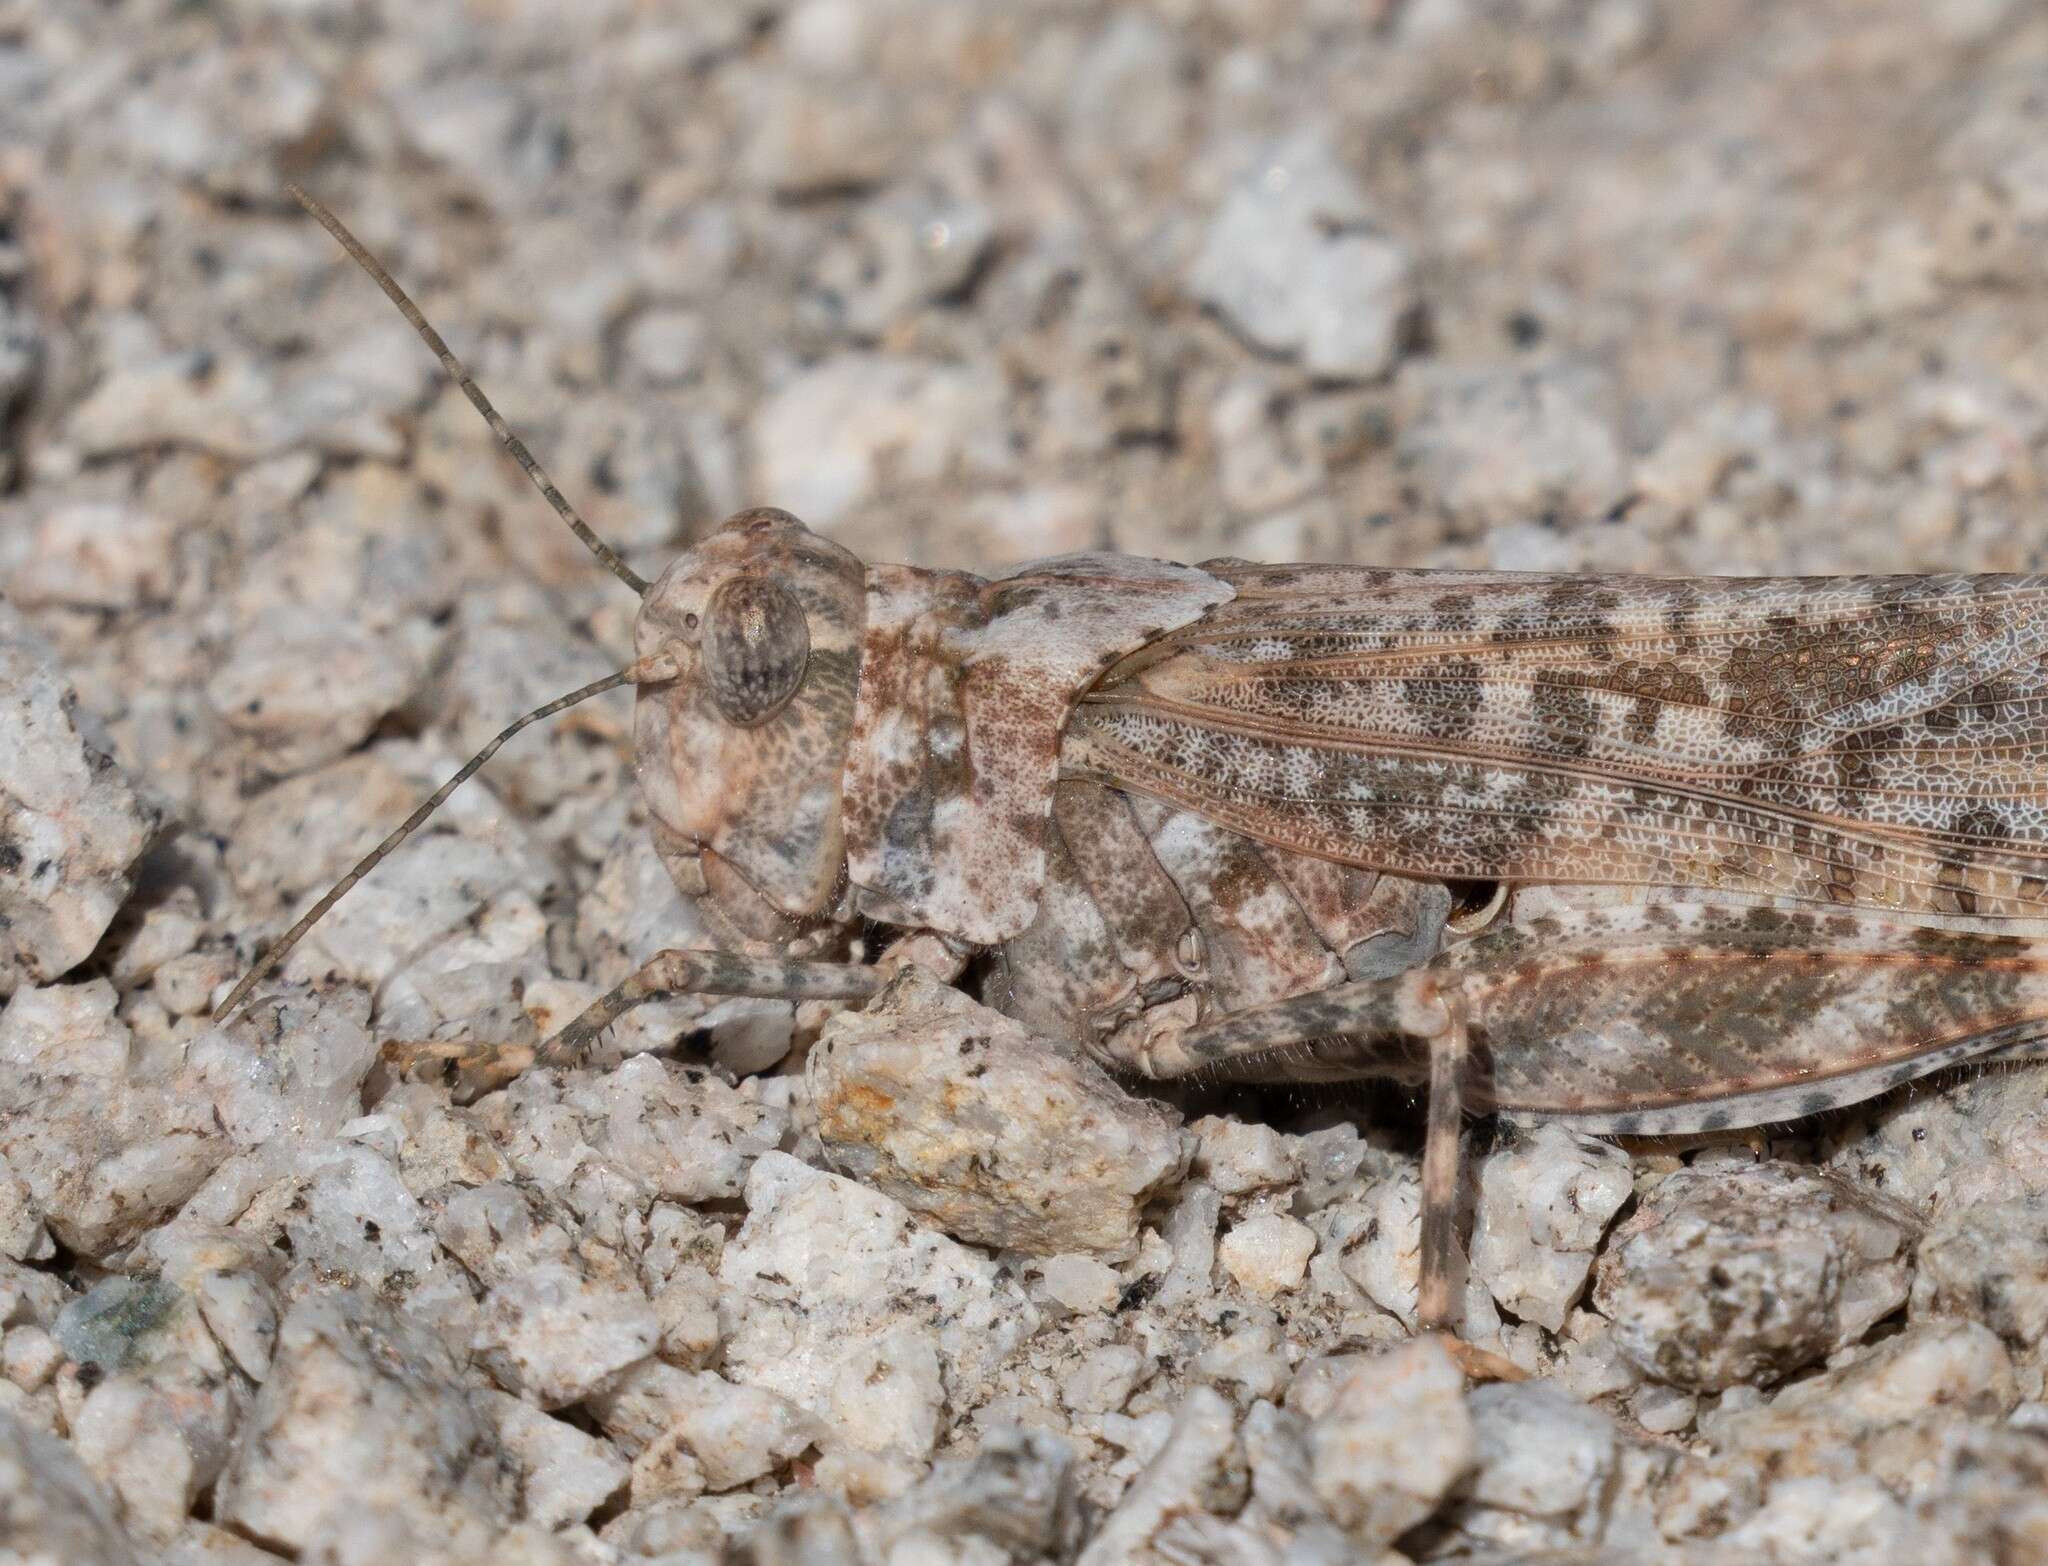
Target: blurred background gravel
x: 1537, y: 284
x: 1542, y: 285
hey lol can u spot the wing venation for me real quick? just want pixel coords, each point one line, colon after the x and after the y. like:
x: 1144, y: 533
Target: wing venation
x: 1875, y: 742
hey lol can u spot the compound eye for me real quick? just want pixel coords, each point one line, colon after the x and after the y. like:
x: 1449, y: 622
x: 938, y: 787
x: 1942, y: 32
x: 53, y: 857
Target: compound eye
x: 755, y: 648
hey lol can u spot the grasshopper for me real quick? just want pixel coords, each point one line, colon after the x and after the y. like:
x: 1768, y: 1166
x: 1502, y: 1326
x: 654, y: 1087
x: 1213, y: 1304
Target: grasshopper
x: 1643, y: 856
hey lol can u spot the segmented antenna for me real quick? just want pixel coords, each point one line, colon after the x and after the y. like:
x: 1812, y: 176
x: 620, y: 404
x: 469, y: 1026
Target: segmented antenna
x: 647, y: 671
x: 470, y: 389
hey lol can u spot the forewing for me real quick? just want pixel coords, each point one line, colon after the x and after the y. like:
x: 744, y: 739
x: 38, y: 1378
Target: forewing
x: 1878, y: 742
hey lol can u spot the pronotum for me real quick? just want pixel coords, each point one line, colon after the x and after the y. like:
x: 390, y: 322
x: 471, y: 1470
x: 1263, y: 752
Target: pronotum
x: 1644, y: 856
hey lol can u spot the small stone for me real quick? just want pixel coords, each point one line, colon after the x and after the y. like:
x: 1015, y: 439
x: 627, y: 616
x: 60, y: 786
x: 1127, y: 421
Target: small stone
x: 1396, y: 1437
x: 1687, y: 466
x: 1014, y: 1145
x: 1017, y: 1491
x: 555, y: 1333
x: 1544, y: 1204
x: 1296, y: 260
x: 211, y: 115
x: 1085, y: 1285
x: 1276, y: 1450
x: 866, y: 1478
x: 691, y: 1533
x: 1989, y: 1263
x: 186, y: 986
x: 22, y: 1234
x: 104, y: 1155
x: 289, y: 1072
x: 1741, y: 1274
x: 733, y: 1433
x: 240, y: 1310
x: 1131, y: 97
x: 169, y: 929
x: 887, y: 1396
x: 365, y: 1411
x: 31, y: 1295
x: 123, y: 1322
x: 443, y: 1144
x: 1191, y: 1233
x: 157, y: 1437
x: 1180, y: 1478
x: 1267, y: 1254
x: 806, y: 141
x: 565, y: 1473
x: 686, y: 1307
x: 1903, y: 1419
x: 1497, y: 445
x: 30, y: 1356
x: 480, y: 126
x: 829, y: 37
x: 839, y: 434
x: 1252, y: 1358
x: 306, y: 690
x: 93, y: 555
x: 917, y: 243
x: 503, y: 663
x: 72, y: 824
x: 1068, y: 321
x: 1982, y: 1141
x: 824, y: 1267
x: 1312, y: 1391
x: 683, y: 1136
x: 1259, y: 467
x: 296, y: 838
x: 1663, y: 1410
x: 1989, y: 1496
x: 1537, y: 1453
x: 665, y: 345
x: 1931, y: 1365
x: 240, y: 409
x: 473, y: 979
x: 1103, y: 1381
x: 666, y: 1470
x: 1239, y: 1157
x: 55, y: 1511
x: 338, y: 1208
x: 1826, y: 1521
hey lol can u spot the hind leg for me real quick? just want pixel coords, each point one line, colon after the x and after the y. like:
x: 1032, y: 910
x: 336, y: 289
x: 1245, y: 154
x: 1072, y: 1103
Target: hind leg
x: 1443, y: 1160
x: 1404, y: 1029
x: 1443, y: 1171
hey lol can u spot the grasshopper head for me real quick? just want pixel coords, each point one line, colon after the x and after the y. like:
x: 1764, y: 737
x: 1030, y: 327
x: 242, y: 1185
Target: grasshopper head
x: 740, y: 756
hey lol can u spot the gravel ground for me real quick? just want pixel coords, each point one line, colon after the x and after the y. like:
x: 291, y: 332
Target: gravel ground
x: 1547, y: 284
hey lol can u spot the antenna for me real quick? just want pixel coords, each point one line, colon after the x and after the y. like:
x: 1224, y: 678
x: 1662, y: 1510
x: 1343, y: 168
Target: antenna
x: 648, y: 671
x: 470, y: 389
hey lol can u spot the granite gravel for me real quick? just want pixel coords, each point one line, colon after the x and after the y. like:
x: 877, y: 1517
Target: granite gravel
x: 1523, y: 284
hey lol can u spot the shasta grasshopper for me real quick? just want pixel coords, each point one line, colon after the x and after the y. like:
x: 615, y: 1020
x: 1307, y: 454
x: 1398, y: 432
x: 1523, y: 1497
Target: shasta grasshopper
x: 1645, y: 856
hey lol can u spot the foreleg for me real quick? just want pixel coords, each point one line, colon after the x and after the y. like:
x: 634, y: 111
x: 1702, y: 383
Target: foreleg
x: 710, y: 973
x: 482, y: 1066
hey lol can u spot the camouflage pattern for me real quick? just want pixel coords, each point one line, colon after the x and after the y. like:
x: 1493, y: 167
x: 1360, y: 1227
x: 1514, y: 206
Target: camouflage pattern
x: 1205, y: 819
